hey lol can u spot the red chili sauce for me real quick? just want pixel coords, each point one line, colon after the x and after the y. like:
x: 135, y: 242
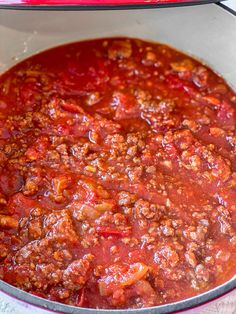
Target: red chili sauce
x: 117, y: 176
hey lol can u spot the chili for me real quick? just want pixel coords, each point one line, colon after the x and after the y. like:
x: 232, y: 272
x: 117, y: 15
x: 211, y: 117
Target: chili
x: 117, y: 175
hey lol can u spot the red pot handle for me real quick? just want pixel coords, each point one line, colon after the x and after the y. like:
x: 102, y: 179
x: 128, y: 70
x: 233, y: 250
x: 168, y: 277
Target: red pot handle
x: 95, y: 2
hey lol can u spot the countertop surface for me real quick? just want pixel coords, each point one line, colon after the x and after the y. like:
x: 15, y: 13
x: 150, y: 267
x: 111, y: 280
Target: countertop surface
x: 231, y: 4
x: 226, y: 305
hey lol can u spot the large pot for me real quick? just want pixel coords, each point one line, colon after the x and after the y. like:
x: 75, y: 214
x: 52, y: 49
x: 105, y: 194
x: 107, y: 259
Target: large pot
x: 207, y: 32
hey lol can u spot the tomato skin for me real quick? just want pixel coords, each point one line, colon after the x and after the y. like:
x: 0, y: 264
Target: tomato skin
x: 21, y: 205
x: 80, y: 298
x: 123, y: 276
x: 10, y: 182
x: 107, y: 231
x: 126, y: 106
x: 174, y: 82
x: 70, y: 107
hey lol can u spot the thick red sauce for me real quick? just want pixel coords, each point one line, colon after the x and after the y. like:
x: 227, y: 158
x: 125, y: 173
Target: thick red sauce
x: 117, y: 177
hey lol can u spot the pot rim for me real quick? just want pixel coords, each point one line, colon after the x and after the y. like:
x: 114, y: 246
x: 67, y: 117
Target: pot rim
x: 96, y: 5
x: 185, y: 304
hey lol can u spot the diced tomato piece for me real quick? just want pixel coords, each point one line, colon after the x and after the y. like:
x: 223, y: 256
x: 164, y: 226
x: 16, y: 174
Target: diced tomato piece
x: 174, y: 82
x: 21, y: 205
x: 10, y: 182
x: 39, y: 294
x: 27, y: 92
x: 121, y: 276
x: 80, y: 298
x: 71, y: 107
x: 126, y: 106
x: 225, y: 112
x: 108, y: 231
x: 211, y: 100
x: 171, y: 150
x: 135, y: 272
x: 38, y: 149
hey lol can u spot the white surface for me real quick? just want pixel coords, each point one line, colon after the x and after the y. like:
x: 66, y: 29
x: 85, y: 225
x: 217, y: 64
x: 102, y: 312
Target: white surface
x: 226, y: 305
x: 12, y: 306
x: 231, y: 4
x: 208, y: 32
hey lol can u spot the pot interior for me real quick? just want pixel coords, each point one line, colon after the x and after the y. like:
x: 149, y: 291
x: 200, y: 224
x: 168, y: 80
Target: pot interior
x: 207, y: 32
